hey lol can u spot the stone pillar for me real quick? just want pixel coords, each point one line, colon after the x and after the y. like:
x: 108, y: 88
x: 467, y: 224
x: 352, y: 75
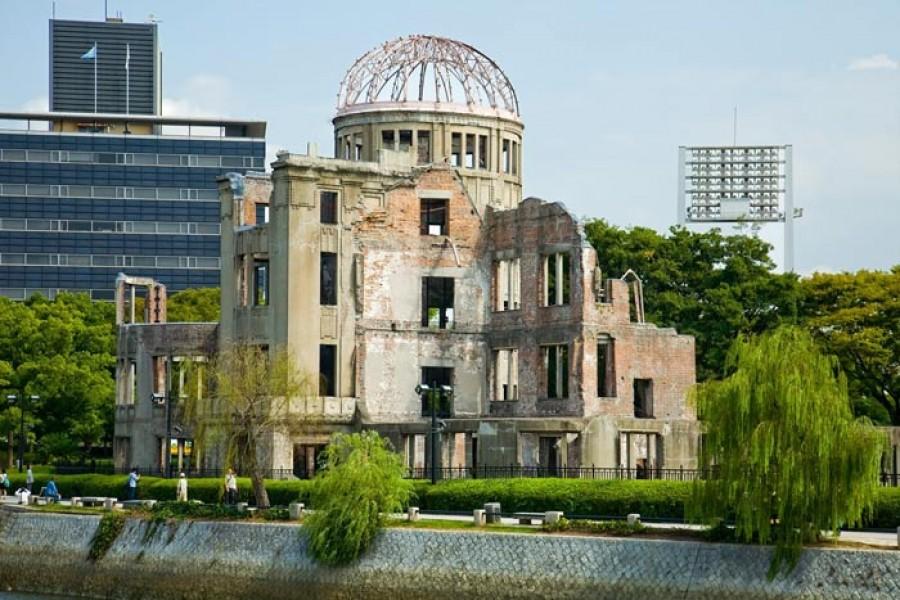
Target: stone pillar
x: 295, y: 511
x: 478, y: 517
x: 412, y: 513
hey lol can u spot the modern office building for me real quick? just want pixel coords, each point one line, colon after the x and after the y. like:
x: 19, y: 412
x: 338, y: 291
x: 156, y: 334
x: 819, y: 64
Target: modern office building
x: 125, y: 67
x: 85, y: 196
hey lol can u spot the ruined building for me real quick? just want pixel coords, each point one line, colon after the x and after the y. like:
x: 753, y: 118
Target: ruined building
x: 411, y: 258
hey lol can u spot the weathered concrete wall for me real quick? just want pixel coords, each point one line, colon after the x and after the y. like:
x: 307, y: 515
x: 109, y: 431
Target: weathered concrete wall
x: 233, y: 560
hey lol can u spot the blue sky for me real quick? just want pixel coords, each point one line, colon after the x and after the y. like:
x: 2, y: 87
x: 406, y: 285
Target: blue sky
x: 608, y: 91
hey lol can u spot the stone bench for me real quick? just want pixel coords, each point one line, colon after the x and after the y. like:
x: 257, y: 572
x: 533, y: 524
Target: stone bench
x: 528, y: 518
x: 94, y: 500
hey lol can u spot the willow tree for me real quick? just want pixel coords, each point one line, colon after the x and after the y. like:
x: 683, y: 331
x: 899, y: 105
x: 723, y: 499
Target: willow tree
x: 787, y: 458
x: 251, y: 392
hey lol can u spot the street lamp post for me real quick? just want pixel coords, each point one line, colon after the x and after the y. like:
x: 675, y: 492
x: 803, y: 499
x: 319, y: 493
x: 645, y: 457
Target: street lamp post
x: 20, y: 400
x: 434, y: 393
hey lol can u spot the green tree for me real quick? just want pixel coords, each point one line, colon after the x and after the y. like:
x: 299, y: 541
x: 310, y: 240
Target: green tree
x: 63, y: 351
x: 251, y: 394
x: 194, y: 305
x: 705, y: 284
x: 361, y: 483
x: 789, y: 460
x: 856, y: 316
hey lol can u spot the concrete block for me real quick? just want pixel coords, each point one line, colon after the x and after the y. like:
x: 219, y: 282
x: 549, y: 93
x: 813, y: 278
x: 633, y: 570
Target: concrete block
x: 412, y: 513
x: 295, y: 511
x: 76, y: 501
x: 242, y: 507
x: 109, y: 503
x: 492, y: 512
x: 552, y: 517
x: 634, y: 518
x: 478, y: 517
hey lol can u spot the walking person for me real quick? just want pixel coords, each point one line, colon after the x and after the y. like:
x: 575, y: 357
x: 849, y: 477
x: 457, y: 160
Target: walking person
x: 133, y: 479
x: 231, y: 489
x: 29, y: 479
x: 4, y: 483
x: 181, y: 489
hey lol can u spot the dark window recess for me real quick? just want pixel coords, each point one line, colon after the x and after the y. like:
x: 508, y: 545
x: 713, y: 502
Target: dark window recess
x: 262, y: 214
x: 328, y: 207
x: 556, y: 366
x: 438, y: 376
x: 551, y: 280
x: 405, y: 140
x: 261, y: 283
x: 387, y: 139
x: 470, y: 151
x: 643, y: 398
x: 434, y: 216
x: 606, y: 374
x: 455, y: 149
x: 327, y: 370
x: 482, y: 152
x: 437, y: 302
x: 328, y: 279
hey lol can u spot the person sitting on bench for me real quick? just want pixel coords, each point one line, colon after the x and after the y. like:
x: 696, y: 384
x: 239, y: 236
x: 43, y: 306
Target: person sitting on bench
x: 50, y: 491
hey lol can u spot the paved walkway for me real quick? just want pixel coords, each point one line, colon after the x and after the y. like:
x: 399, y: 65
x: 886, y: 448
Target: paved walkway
x: 873, y: 538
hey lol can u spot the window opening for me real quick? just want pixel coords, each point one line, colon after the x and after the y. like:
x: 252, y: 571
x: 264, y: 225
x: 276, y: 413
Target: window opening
x: 506, y: 374
x: 482, y: 152
x: 440, y: 376
x: 328, y: 279
x: 470, y: 151
x: 556, y: 279
x: 327, y: 369
x: 556, y: 369
x: 437, y: 302
x: 260, y: 283
x: 643, y: 398
x: 433, y: 216
x: 455, y: 149
x: 506, y: 284
x: 328, y: 207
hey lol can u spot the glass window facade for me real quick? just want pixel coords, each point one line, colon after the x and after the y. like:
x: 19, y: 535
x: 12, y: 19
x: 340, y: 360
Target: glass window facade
x: 94, y: 209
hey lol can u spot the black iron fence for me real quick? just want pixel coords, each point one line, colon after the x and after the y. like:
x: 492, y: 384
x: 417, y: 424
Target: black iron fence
x: 156, y: 471
x: 597, y: 473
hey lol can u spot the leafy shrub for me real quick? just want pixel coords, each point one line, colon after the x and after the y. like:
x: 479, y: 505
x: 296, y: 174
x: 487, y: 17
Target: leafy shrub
x: 362, y: 481
x: 655, y: 499
x: 617, y: 528
x: 107, y: 531
x: 886, y: 514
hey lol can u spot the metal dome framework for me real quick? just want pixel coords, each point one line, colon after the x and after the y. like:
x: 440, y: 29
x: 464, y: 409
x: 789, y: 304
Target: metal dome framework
x: 427, y: 69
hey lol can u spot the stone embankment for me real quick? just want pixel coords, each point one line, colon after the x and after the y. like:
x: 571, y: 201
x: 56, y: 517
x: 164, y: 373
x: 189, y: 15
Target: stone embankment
x: 48, y: 553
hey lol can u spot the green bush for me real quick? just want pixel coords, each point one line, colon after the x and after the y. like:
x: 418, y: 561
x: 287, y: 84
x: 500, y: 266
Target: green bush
x: 654, y: 499
x: 886, y: 514
x: 617, y: 528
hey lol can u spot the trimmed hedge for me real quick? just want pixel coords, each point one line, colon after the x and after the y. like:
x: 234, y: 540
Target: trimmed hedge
x: 655, y: 499
x: 652, y: 499
x: 210, y: 490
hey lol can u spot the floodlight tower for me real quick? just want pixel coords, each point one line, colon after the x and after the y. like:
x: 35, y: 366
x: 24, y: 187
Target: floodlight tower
x: 738, y: 184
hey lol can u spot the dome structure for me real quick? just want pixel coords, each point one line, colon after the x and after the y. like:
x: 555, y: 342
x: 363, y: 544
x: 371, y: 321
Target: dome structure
x: 424, y: 72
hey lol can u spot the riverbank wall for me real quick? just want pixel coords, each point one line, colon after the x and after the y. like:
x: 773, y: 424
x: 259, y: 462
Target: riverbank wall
x: 48, y: 553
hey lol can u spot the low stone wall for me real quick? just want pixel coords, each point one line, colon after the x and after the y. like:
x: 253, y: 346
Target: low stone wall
x: 49, y: 554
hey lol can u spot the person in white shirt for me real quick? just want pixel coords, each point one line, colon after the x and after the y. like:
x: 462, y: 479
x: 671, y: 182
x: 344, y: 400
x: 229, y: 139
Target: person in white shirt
x: 181, y: 490
x: 231, y: 488
x: 29, y: 479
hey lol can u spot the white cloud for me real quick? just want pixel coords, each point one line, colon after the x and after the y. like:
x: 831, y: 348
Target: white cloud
x: 38, y: 104
x: 199, y: 96
x: 876, y: 62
